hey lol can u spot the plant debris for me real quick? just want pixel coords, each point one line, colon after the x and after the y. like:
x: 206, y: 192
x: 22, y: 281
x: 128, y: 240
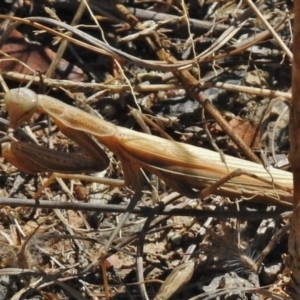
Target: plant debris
x: 206, y: 73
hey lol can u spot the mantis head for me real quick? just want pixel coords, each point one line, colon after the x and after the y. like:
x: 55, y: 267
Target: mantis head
x: 20, y: 104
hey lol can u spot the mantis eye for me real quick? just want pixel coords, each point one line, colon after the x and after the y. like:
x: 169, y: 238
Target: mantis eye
x: 20, y: 104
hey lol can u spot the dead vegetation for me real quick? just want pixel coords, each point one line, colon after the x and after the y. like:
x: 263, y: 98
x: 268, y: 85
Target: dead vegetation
x: 213, y: 74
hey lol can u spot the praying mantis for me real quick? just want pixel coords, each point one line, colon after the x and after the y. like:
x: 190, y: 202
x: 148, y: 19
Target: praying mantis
x: 192, y: 171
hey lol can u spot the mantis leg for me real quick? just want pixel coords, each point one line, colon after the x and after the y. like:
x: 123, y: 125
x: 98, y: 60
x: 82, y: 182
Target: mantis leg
x: 52, y: 178
x: 130, y: 207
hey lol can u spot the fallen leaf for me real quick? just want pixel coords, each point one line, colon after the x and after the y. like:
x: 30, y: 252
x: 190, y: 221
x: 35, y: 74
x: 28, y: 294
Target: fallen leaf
x: 17, y: 53
x: 176, y: 279
x: 248, y: 132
